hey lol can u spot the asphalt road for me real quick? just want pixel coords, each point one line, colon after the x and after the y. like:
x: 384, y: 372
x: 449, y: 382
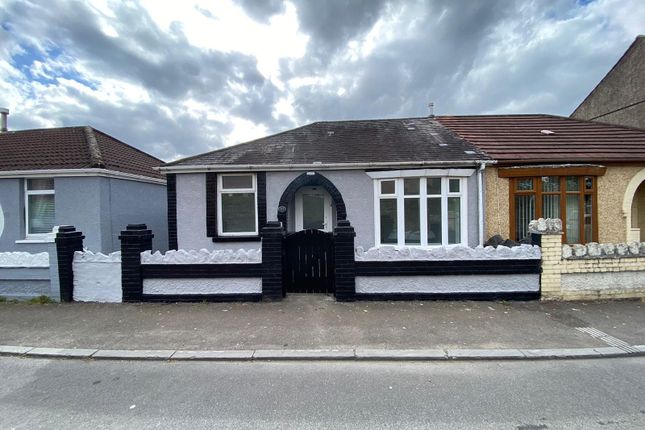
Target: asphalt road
x: 536, y: 395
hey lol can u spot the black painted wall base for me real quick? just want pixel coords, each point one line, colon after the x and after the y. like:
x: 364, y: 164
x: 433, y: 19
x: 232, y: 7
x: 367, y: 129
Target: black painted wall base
x: 520, y: 295
x: 168, y: 298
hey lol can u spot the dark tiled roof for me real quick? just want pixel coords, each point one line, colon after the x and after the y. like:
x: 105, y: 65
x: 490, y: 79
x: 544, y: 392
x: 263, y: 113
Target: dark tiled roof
x: 519, y: 138
x: 366, y: 141
x: 72, y: 148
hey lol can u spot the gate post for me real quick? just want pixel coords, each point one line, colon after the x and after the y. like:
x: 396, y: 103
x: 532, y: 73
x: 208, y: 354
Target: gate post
x: 272, y: 242
x: 135, y: 239
x: 345, y: 269
x: 68, y: 241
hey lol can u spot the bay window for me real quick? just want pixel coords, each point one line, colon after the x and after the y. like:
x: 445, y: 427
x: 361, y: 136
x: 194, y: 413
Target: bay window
x: 420, y: 211
x: 570, y: 198
x: 39, y: 206
x: 236, y: 205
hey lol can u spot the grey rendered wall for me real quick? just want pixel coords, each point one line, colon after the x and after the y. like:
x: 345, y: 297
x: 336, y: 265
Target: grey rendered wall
x: 134, y: 203
x: 191, y: 216
x: 11, y: 207
x: 355, y: 186
x: 23, y: 282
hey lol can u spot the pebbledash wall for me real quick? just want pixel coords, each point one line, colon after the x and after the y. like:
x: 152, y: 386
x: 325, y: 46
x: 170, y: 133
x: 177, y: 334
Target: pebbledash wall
x: 586, y: 272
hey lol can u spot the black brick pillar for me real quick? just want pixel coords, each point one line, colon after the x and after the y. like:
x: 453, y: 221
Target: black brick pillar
x: 345, y: 269
x: 135, y: 239
x: 68, y: 241
x: 272, y: 243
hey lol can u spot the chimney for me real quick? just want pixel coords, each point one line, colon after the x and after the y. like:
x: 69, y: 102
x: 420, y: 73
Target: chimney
x: 431, y: 108
x: 4, y: 113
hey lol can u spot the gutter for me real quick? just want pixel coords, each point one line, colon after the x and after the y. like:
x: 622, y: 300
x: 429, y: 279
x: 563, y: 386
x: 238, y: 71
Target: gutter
x: 49, y: 173
x: 311, y: 166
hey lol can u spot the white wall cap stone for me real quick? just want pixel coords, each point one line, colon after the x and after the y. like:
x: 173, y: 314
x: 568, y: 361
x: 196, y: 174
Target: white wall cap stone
x: 24, y: 259
x: 87, y: 256
x: 604, y: 250
x: 396, y: 253
x: 546, y: 226
x: 203, y: 256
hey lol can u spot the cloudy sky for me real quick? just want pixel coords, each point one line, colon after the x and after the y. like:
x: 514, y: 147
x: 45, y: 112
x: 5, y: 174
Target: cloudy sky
x: 177, y: 78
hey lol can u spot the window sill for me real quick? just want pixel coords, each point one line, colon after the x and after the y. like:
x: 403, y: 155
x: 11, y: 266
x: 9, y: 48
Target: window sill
x: 34, y: 240
x: 236, y: 238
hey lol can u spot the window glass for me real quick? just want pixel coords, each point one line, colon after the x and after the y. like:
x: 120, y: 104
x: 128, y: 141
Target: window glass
x: 573, y: 218
x: 524, y: 214
x: 233, y: 182
x: 412, y: 221
x: 550, y: 184
x: 411, y: 186
x: 388, y: 221
x: 313, y: 211
x: 573, y: 184
x: 388, y: 187
x: 588, y: 218
x: 238, y: 212
x: 588, y: 183
x: 434, y: 221
x: 551, y: 206
x: 454, y: 220
x: 40, y: 184
x: 454, y: 185
x: 434, y: 186
x: 524, y: 184
x: 41, y: 214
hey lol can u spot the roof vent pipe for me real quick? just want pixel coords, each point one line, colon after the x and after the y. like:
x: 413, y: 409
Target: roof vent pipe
x: 431, y: 108
x: 4, y: 113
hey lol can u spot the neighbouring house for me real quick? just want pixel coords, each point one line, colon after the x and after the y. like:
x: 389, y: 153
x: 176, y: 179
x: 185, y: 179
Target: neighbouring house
x: 619, y: 98
x: 70, y: 176
x: 589, y: 174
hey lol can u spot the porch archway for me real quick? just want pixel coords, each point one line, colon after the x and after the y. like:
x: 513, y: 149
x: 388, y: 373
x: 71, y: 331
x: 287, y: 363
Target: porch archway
x: 310, y: 180
x: 628, y: 201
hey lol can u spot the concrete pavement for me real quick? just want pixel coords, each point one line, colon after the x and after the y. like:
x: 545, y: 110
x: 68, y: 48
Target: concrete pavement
x: 317, y: 327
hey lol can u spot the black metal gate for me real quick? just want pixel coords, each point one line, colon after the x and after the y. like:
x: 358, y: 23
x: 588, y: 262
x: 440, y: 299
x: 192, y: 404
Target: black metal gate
x: 309, y: 262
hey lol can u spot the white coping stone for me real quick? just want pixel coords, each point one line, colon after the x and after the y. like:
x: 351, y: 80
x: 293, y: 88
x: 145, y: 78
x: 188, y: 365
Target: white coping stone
x: 14, y: 350
x: 303, y: 354
x: 124, y: 354
x: 403, y: 253
x: 24, y: 259
x: 548, y: 225
x: 401, y: 354
x: 87, y: 256
x: 213, y: 355
x: 561, y: 353
x: 203, y: 256
x: 61, y: 352
x: 479, y: 354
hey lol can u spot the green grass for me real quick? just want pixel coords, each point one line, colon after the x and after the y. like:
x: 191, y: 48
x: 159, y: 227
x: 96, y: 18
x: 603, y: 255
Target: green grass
x: 3, y: 299
x: 40, y: 300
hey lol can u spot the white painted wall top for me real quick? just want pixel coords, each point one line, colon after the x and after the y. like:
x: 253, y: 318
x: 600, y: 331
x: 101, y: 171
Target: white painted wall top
x: 24, y: 259
x: 396, y: 253
x: 203, y: 256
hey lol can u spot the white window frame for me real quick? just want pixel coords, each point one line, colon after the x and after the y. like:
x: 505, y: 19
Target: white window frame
x: 221, y: 190
x: 423, y: 196
x: 28, y: 193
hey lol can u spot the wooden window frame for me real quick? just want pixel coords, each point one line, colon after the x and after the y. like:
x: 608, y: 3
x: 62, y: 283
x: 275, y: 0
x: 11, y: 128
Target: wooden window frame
x: 538, y: 193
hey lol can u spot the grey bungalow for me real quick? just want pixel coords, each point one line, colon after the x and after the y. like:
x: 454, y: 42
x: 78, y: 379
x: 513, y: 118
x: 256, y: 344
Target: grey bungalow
x: 406, y: 182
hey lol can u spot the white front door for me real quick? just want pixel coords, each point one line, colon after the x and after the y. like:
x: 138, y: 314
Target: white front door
x: 313, y: 209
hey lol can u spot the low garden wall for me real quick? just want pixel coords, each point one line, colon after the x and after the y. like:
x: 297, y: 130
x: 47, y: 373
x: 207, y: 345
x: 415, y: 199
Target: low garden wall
x: 202, y: 275
x: 592, y: 271
x: 458, y: 272
x: 97, y: 277
x: 24, y: 275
